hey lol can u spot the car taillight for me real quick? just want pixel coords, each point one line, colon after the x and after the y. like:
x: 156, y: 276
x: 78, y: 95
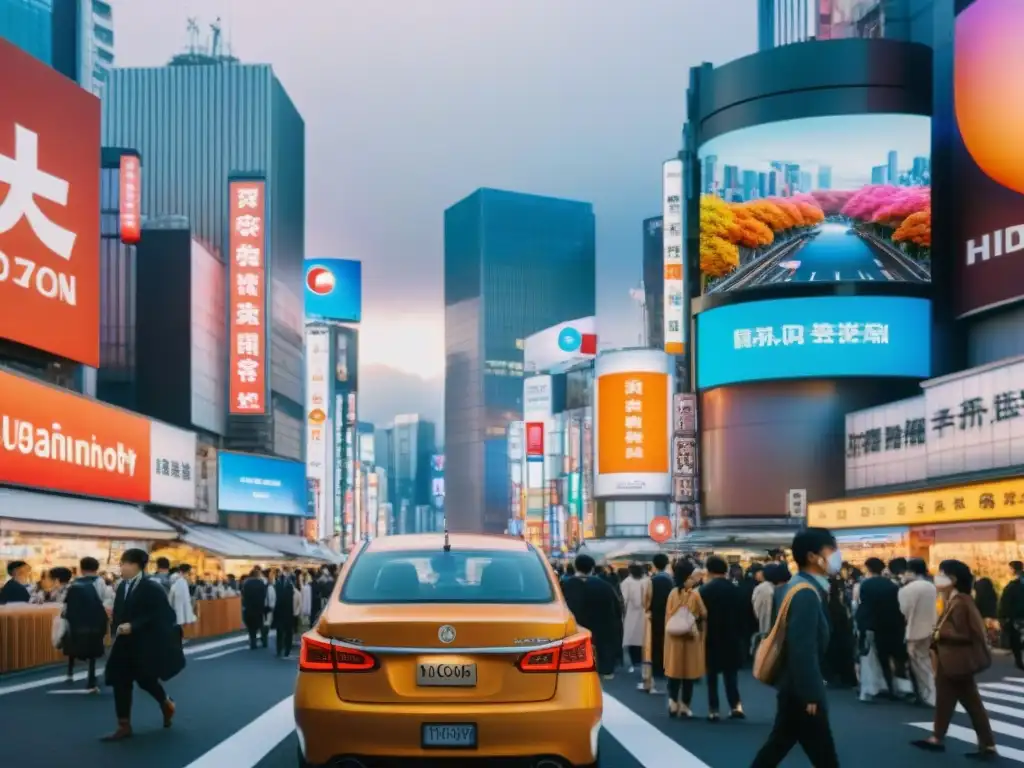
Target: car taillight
x: 318, y: 654
x: 575, y: 654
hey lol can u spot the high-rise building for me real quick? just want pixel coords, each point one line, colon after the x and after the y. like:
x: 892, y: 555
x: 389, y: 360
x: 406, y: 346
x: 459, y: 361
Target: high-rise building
x: 749, y: 185
x: 195, y: 126
x: 806, y: 183
x: 730, y: 180
x: 710, y: 168
x: 892, y: 163
x: 782, y: 22
x: 824, y: 177
x: 413, y: 443
x: 28, y: 24
x: 83, y: 42
x: 515, y: 264
x: 880, y: 174
x: 654, y: 282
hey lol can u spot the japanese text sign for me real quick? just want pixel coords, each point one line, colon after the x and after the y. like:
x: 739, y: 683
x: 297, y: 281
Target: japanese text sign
x: 672, y: 256
x: 634, y: 422
x: 534, y: 439
x: 130, y: 197
x: 997, y: 500
x: 49, y: 210
x: 247, y: 302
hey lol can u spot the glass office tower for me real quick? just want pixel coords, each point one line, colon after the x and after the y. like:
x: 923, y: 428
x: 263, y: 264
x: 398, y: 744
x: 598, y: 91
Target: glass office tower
x: 29, y: 24
x: 515, y: 264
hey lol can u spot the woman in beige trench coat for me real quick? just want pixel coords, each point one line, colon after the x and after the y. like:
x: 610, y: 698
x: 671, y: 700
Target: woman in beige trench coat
x: 684, y: 656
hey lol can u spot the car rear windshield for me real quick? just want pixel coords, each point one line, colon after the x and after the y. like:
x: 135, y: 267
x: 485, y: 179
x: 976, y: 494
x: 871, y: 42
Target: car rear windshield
x: 482, y: 576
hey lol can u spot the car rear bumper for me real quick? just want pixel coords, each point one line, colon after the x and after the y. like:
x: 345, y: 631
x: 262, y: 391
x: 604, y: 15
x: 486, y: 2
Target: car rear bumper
x: 565, y: 726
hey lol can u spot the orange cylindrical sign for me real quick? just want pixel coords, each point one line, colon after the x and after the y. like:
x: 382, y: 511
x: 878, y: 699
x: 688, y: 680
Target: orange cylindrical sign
x: 131, y: 199
x: 660, y: 529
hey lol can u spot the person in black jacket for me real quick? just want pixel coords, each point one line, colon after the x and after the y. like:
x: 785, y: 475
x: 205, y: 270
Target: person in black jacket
x: 283, y: 620
x: 595, y: 605
x: 725, y: 635
x: 15, y: 590
x: 879, y: 612
x: 147, y: 643
x: 661, y: 587
x: 254, y: 606
x: 802, y: 714
x: 87, y: 622
x: 1011, y: 611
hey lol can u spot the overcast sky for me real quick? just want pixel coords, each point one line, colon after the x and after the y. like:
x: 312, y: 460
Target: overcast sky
x: 412, y: 104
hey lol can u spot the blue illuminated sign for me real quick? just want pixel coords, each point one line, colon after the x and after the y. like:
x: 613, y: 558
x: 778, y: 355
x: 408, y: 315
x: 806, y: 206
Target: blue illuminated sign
x: 827, y: 336
x: 334, y: 290
x: 260, y: 484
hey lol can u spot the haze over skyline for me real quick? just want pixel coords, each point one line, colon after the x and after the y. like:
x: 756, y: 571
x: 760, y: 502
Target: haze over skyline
x: 409, y: 107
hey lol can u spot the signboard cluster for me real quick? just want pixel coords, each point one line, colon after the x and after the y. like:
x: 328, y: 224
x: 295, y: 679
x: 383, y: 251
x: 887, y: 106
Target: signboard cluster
x: 685, y: 467
x: 247, y: 305
x: 672, y: 244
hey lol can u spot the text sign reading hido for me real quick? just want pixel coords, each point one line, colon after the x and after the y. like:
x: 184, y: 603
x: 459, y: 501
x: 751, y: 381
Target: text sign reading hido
x: 49, y: 210
x: 247, y: 303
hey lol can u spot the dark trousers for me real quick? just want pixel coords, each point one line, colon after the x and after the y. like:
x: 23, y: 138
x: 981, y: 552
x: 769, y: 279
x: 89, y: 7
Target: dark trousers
x: 123, y: 695
x: 732, y: 689
x: 284, y: 638
x: 1013, y: 634
x: 90, y: 681
x: 793, y: 725
x: 636, y: 654
x: 677, y: 686
x: 964, y: 690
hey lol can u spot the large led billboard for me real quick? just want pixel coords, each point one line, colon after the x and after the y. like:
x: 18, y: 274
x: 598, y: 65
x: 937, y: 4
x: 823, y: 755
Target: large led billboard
x: 826, y: 336
x: 819, y: 199
x: 334, y: 290
x: 988, y: 156
x: 253, y: 484
x: 633, y: 401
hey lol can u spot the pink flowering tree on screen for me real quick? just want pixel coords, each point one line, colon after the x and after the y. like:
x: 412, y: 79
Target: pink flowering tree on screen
x: 882, y: 209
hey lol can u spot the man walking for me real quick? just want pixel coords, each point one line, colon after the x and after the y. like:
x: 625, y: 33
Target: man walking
x: 918, y: 598
x: 655, y: 600
x: 147, y: 643
x: 254, y: 605
x: 1011, y: 611
x: 87, y: 621
x: 284, y: 614
x: 802, y: 714
x: 725, y: 635
x: 879, y: 614
x: 163, y: 574
x: 595, y: 604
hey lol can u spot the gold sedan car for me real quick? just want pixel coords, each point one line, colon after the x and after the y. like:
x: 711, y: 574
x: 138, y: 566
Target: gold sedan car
x: 438, y: 650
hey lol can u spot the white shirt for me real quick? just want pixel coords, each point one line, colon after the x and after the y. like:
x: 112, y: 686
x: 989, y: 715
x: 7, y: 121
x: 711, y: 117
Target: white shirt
x: 181, y: 600
x: 918, y: 604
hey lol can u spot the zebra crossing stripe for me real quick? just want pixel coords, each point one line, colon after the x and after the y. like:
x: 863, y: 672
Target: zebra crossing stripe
x: 998, y: 709
x: 1001, y: 696
x: 1002, y: 687
x: 960, y: 733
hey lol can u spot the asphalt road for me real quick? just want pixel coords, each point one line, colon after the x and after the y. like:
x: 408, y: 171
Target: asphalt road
x: 234, y: 709
x: 835, y: 254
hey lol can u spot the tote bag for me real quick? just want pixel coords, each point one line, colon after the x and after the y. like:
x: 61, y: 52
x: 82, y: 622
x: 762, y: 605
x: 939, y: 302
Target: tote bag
x: 682, y: 623
x: 770, y: 653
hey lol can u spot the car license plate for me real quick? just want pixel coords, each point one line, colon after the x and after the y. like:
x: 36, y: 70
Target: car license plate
x: 449, y: 735
x: 444, y: 674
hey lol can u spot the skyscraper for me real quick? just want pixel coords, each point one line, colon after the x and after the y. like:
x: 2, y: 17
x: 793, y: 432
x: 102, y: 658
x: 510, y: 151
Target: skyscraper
x: 893, y: 171
x: 515, y: 264
x: 27, y: 24
x: 83, y: 42
x: 708, y: 182
x: 880, y: 174
x: 194, y: 127
x: 654, y: 282
x: 824, y: 177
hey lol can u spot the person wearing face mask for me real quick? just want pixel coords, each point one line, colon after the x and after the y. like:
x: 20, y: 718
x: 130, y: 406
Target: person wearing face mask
x: 802, y: 714
x: 918, y: 600
x: 961, y: 652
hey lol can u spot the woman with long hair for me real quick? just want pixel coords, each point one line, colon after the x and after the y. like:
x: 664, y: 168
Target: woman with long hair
x: 684, y: 650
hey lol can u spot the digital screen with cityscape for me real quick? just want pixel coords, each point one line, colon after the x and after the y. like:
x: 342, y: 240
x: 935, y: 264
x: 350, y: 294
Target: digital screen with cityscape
x: 820, y: 199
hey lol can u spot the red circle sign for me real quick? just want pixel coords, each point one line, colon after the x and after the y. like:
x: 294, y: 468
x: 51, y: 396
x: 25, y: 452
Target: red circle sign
x: 660, y: 529
x: 320, y: 280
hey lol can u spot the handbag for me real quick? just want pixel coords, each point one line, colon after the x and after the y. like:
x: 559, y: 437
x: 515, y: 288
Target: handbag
x: 771, y: 652
x: 978, y: 657
x: 682, y: 623
x: 58, y: 631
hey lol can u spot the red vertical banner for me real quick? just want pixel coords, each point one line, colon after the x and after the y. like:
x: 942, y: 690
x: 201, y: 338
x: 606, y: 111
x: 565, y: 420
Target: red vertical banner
x: 130, y: 202
x: 247, y: 298
x: 534, y: 438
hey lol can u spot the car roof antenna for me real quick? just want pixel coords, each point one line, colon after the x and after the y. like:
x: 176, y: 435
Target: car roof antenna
x: 447, y: 541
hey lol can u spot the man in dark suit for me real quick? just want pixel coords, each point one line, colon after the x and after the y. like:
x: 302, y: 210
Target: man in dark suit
x: 879, y: 613
x: 802, y: 714
x: 15, y: 591
x: 725, y: 636
x: 147, y: 643
x: 254, y: 606
x: 595, y: 606
x: 1011, y: 611
x: 283, y: 619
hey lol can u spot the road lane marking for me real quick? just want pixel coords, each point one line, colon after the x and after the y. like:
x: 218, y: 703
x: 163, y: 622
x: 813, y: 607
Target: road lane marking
x: 1003, y: 687
x: 645, y: 742
x: 812, y: 277
x: 861, y: 274
x: 960, y: 733
x: 878, y: 263
x: 74, y: 692
x: 220, y: 653
x: 1001, y: 696
x: 887, y: 275
x: 245, y: 748
x: 837, y: 275
x: 998, y: 709
x: 190, y: 650
x: 869, y: 277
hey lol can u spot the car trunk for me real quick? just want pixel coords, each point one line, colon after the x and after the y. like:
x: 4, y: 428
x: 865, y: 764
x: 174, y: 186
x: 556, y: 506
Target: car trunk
x: 419, y: 668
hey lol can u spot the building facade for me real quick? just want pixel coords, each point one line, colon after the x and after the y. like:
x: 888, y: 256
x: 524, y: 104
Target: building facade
x: 83, y: 42
x: 28, y: 24
x: 412, y: 442
x: 654, y: 283
x: 514, y: 265
x: 782, y: 22
x: 201, y: 125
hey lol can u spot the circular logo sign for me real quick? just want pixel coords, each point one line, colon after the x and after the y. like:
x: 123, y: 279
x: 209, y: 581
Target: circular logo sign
x: 320, y: 280
x: 446, y: 634
x: 317, y: 416
x: 569, y: 339
x: 660, y: 529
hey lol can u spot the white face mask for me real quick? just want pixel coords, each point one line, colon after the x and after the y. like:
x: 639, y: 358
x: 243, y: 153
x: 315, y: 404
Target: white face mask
x: 834, y: 564
x: 942, y: 581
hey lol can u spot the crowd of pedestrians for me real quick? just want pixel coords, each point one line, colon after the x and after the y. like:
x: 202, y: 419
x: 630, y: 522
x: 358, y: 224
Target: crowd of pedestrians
x: 891, y: 631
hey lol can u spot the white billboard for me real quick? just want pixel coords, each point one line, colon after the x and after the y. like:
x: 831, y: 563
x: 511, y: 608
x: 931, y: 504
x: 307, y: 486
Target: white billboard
x: 537, y: 398
x: 560, y: 345
x: 173, y: 466
x: 887, y: 444
x: 633, y: 404
x: 515, y: 441
x: 319, y: 426
x: 672, y: 248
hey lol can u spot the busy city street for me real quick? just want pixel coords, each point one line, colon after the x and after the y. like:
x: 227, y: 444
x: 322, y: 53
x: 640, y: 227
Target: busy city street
x: 234, y: 709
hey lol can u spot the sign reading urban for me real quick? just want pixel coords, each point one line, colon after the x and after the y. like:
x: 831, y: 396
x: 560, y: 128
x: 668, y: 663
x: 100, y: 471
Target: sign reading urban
x: 247, y: 304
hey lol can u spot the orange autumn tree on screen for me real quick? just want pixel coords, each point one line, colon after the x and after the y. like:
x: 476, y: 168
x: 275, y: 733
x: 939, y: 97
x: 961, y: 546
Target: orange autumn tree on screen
x: 916, y: 229
x: 718, y: 229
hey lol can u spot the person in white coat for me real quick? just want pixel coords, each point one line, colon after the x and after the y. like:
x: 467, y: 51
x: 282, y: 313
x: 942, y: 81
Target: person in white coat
x: 633, y: 588
x: 918, y: 598
x: 306, y: 611
x: 181, y: 600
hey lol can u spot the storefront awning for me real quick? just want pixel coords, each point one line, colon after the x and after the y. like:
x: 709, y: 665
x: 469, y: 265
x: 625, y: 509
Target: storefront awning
x: 49, y: 515
x: 292, y: 546
x: 218, y: 541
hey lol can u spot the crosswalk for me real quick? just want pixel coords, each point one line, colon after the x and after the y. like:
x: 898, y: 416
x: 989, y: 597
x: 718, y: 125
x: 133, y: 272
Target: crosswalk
x: 1004, y: 701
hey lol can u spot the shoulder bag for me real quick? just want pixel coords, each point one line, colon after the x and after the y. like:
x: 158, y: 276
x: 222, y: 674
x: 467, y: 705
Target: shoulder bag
x: 682, y: 623
x: 770, y: 653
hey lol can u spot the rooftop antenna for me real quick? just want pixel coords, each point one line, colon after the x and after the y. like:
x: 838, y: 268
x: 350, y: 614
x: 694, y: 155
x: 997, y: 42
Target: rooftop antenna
x: 447, y: 541
x: 215, y: 38
x: 193, y: 34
